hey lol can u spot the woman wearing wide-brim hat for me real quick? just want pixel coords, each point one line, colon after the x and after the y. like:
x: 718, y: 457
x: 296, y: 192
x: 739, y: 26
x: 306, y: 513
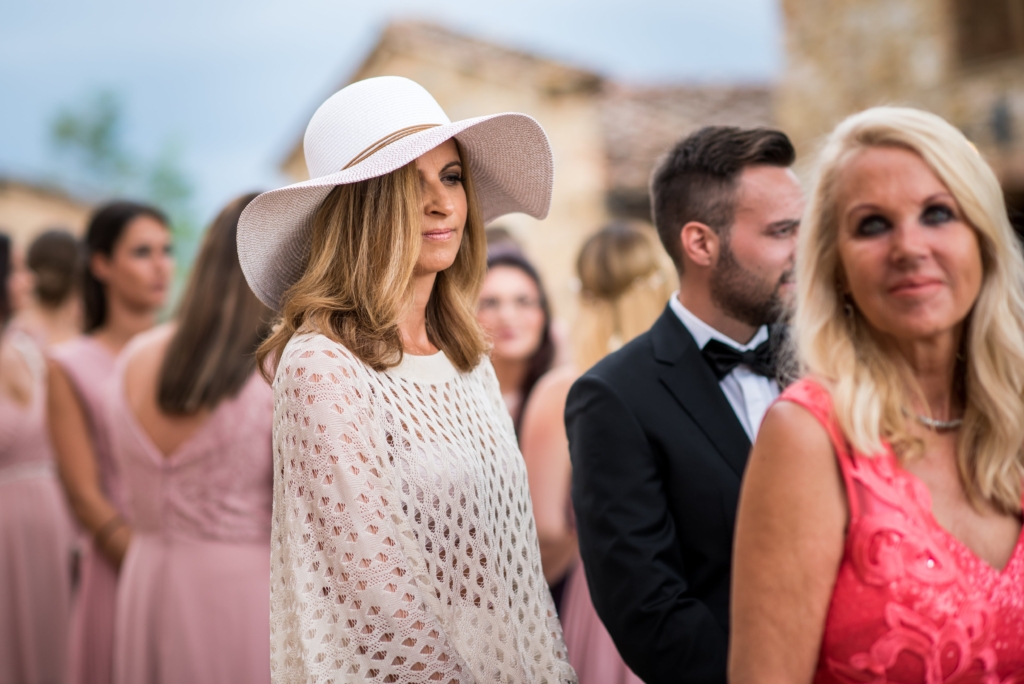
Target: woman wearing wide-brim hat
x: 403, y: 544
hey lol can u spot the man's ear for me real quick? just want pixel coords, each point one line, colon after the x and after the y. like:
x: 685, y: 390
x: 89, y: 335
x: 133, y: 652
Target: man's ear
x: 700, y: 244
x: 99, y: 265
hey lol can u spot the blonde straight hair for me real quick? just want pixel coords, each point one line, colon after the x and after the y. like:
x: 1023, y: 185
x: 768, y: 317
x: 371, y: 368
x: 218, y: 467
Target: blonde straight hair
x: 624, y: 286
x: 871, y: 390
x: 357, y: 284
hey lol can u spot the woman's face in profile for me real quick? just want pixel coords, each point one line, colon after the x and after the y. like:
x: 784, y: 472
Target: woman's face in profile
x: 509, y: 310
x: 140, y: 267
x: 20, y: 281
x: 911, y: 261
x: 444, y: 207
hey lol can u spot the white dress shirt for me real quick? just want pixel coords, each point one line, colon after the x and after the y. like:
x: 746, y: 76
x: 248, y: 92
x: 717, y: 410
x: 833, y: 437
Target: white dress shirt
x: 748, y: 393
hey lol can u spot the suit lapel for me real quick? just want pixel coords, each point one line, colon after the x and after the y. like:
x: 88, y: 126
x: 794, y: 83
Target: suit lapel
x: 687, y: 376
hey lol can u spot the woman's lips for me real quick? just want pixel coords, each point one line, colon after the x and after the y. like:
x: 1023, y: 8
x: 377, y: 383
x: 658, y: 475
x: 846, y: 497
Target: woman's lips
x: 439, y: 235
x: 914, y: 286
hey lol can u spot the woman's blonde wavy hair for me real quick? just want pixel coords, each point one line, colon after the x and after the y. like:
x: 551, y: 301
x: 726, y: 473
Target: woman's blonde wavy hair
x: 871, y: 390
x: 624, y: 286
x: 356, y: 286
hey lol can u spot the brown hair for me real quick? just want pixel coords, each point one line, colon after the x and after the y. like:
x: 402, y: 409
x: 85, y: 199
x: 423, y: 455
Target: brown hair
x: 56, y: 259
x: 220, y: 325
x: 696, y: 180
x: 106, y: 227
x: 543, y: 357
x: 356, y: 285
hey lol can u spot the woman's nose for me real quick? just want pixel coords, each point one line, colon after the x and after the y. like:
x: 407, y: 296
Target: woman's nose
x: 436, y: 201
x: 910, y: 240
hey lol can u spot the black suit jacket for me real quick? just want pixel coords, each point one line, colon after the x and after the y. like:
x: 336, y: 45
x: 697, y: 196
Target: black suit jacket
x: 657, y: 456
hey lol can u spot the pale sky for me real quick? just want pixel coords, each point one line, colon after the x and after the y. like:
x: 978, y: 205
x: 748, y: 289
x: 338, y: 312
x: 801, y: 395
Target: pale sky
x: 233, y: 82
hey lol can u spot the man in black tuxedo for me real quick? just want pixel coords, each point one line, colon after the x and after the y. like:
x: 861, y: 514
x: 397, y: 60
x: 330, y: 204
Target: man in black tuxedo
x: 659, y: 431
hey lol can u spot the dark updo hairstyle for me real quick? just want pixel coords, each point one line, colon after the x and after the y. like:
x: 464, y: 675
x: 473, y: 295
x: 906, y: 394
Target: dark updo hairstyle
x: 544, y: 356
x: 5, y: 273
x: 105, y: 229
x: 55, y: 259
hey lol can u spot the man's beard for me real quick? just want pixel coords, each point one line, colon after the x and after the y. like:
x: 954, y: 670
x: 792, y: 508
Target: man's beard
x: 744, y: 296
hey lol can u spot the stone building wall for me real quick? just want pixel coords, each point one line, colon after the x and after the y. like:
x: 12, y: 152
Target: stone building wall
x: 27, y: 210
x: 843, y: 56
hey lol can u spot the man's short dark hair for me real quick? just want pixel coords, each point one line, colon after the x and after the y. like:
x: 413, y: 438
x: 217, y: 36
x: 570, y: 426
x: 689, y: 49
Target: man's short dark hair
x: 696, y: 180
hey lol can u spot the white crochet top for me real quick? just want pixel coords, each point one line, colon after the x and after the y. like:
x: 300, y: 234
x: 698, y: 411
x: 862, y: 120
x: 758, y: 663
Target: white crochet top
x: 403, y: 544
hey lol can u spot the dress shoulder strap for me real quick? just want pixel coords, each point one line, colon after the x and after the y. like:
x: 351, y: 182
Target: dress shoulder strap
x: 815, y: 398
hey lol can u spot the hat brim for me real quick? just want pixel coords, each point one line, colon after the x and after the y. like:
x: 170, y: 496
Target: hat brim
x: 508, y: 156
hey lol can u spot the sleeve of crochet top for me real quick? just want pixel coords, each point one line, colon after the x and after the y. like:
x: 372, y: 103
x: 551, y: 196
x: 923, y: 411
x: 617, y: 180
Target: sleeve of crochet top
x: 361, y: 614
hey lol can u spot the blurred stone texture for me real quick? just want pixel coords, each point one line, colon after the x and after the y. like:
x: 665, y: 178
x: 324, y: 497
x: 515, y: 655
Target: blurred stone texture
x: 27, y: 209
x: 962, y: 59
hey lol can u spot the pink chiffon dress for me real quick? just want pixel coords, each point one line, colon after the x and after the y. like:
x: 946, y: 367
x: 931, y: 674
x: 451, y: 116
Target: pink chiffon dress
x: 193, y: 603
x: 911, y: 602
x: 592, y: 652
x: 89, y: 367
x: 36, y: 540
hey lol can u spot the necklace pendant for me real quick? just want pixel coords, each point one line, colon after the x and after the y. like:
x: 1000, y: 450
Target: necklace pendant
x: 940, y: 424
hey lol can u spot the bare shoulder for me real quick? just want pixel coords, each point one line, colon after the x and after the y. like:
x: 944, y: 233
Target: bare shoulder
x: 147, y: 349
x: 793, y: 460
x: 789, y: 428
x: 553, y: 387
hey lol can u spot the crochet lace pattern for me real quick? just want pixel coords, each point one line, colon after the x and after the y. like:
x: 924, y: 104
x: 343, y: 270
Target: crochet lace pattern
x: 403, y: 543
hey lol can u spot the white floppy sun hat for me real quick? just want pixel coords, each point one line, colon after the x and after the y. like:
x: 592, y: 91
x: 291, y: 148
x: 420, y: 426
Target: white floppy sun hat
x: 369, y: 129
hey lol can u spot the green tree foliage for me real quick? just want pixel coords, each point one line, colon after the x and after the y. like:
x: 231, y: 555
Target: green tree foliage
x: 88, y: 140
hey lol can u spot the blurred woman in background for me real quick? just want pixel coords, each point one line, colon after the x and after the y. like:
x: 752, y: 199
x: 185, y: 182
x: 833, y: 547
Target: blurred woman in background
x: 514, y: 313
x: 126, y: 282
x: 623, y: 289
x: 36, y: 535
x: 54, y: 314
x: 191, y: 433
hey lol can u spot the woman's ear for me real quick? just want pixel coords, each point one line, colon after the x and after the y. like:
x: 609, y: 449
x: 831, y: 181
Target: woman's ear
x: 99, y: 266
x: 700, y: 244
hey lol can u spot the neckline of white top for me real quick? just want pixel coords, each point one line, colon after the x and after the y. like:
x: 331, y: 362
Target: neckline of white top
x: 431, y: 369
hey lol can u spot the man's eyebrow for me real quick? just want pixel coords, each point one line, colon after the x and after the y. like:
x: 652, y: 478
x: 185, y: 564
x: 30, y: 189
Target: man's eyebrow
x: 784, y: 223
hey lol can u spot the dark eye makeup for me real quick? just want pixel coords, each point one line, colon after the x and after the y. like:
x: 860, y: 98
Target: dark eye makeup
x: 934, y: 214
x: 871, y: 225
x: 937, y: 214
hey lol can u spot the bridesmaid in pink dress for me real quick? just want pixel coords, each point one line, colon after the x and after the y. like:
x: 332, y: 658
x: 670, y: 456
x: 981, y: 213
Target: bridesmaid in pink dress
x: 126, y: 282
x: 35, y: 527
x: 623, y: 291
x: 191, y: 433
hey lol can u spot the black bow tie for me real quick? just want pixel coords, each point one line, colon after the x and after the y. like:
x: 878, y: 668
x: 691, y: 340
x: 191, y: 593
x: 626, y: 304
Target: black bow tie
x: 723, y: 359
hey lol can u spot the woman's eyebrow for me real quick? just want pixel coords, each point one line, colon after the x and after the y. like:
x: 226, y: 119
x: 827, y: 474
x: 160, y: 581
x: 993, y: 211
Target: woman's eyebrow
x: 451, y: 164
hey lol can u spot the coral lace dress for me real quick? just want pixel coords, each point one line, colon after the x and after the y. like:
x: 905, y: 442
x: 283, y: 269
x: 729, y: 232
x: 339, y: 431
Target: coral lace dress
x: 911, y: 603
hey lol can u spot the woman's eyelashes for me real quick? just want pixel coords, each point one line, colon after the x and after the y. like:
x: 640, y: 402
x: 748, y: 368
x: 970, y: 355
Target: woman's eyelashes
x: 872, y: 225
x: 937, y: 214
x: 932, y: 215
x: 146, y: 251
x: 451, y: 178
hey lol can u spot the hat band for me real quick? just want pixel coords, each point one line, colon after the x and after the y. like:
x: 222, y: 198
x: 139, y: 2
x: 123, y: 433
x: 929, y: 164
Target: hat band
x: 387, y: 140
